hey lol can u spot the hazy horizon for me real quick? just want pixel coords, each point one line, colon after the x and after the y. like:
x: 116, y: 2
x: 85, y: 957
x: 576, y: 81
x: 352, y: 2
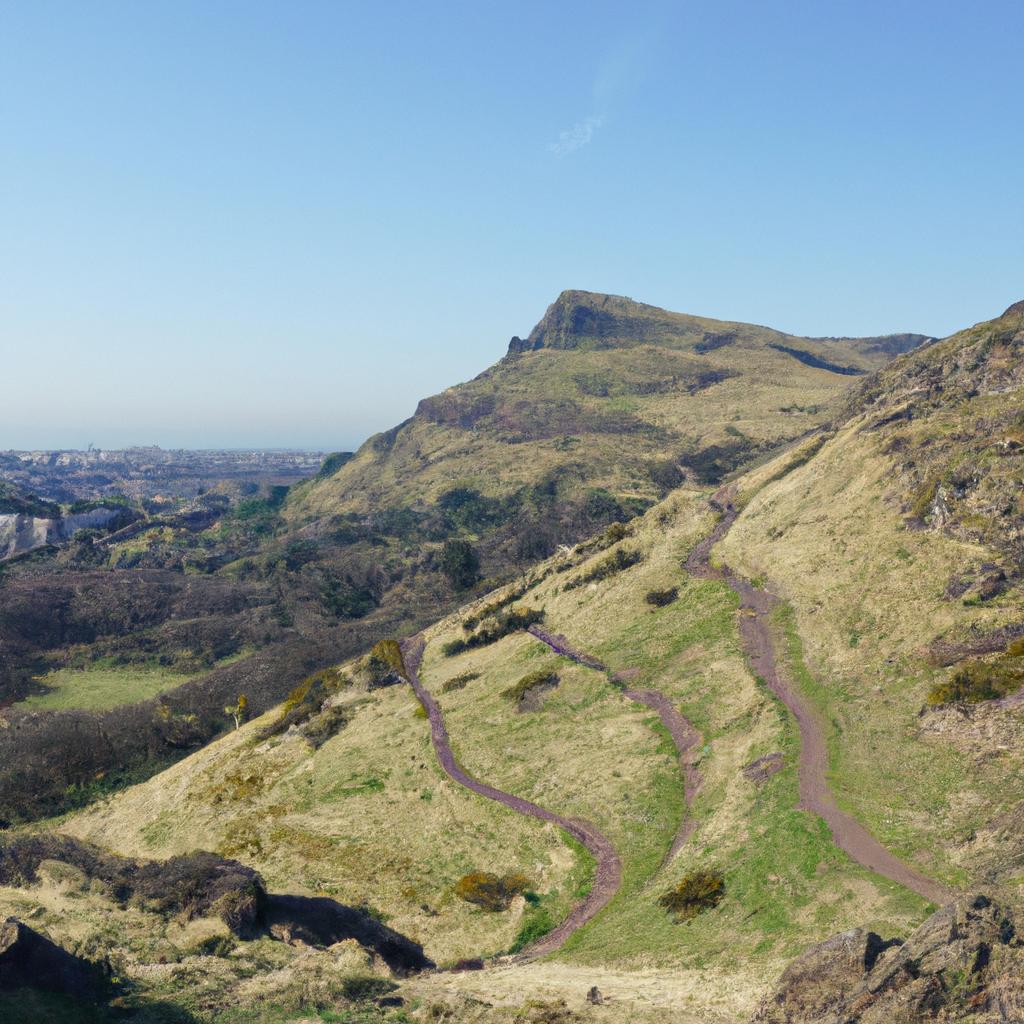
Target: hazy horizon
x: 250, y: 226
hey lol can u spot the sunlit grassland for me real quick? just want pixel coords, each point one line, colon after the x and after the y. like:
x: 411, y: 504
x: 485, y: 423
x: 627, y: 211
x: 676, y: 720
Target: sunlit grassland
x: 864, y: 598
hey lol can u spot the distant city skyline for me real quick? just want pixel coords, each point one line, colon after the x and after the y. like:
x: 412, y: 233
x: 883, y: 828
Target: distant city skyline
x: 278, y: 226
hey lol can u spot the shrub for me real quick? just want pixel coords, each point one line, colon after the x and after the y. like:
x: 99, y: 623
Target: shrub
x: 306, y: 700
x: 459, y: 682
x: 361, y: 988
x: 660, y: 598
x: 384, y: 665
x: 492, y: 892
x: 493, y: 607
x: 328, y: 723
x: 617, y: 561
x: 537, y: 922
x: 698, y: 891
x: 535, y: 680
x: 213, y: 945
x: 924, y: 499
x: 460, y: 563
x: 332, y: 463
x: 977, y: 681
x: 516, y: 618
x: 665, y: 474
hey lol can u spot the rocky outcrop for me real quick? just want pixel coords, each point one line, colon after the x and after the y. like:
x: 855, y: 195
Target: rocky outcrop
x: 964, y: 962
x: 319, y: 921
x: 21, y: 533
x: 201, y: 884
x: 28, y: 960
x: 190, y: 885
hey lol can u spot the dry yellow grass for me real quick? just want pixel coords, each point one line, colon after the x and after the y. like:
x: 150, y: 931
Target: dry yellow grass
x: 868, y: 596
x: 367, y: 818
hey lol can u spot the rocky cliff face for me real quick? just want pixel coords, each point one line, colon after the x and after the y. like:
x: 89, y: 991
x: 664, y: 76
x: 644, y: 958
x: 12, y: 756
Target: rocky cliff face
x: 965, y: 962
x: 21, y: 533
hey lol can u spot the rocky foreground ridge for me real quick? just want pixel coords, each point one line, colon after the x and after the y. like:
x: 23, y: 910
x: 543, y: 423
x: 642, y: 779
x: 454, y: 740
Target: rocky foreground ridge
x: 965, y: 962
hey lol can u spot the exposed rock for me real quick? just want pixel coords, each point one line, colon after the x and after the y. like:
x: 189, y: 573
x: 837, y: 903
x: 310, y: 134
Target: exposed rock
x: 190, y: 885
x: 21, y: 533
x: 472, y: 964
x: 813, y: 986
x: 319, y: 921
x: 945, y: 652
x: 761, y: 770
x: 965, y: 960
x: 28, y: 960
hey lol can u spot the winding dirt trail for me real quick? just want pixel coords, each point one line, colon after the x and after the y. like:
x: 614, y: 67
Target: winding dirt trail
x: 684, y: 735
x: 609, y: 868
x: 756, y: 607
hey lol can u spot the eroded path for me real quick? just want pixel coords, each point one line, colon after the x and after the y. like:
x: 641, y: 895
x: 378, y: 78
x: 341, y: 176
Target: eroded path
x: 608, y: 876
x: 756, y: 607
x: 684, y: 735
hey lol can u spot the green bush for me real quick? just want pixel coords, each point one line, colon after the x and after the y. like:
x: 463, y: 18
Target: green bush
x: 460, y: 563
x: 492, y: 892
x: 660, y: 598
x: 977, y: 681
x: 516, y: 618
x: 493, y: 607
x: 698, y: 891
x: 307, y: 700
x: 665, y: 474
x: 383, y: 666
x: 361, y: 988
x: 332, y: 463
x: 533, y: 681
x: 459, y: 682
x: 537, y: 922
x: 617, y: 561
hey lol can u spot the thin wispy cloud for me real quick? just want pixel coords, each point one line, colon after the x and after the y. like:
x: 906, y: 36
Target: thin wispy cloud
x: 576, y: 137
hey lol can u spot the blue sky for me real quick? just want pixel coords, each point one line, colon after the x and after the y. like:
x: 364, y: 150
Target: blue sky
x: 283, y: 223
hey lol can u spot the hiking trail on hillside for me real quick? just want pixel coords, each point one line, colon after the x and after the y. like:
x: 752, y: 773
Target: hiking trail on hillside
x: 685, y: 737
x: 756, y: 607
x: 608, y: 876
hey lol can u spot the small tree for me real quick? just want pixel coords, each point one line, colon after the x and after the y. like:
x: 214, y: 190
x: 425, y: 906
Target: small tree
x: 460, y: 563
x: 237, y: 713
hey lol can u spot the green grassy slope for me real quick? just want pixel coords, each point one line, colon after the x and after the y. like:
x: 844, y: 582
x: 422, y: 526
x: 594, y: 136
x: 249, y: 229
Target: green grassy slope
x: 897, y: 547
x: 368, y: 815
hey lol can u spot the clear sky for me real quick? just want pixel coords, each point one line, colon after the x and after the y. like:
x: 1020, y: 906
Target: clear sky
x: 278, y: 224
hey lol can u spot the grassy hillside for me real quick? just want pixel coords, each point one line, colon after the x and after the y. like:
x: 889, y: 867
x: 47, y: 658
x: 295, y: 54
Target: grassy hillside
x: 897, y: 549
x: 368, y: 816
x: 603, y: 409
x: 604, y: 393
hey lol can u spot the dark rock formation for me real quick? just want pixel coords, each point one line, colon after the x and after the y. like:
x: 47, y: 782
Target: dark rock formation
x: 193, y: 885
x: 200, y: 884
x: 319, y: 921
x: 28, y: 960
x: 964, y: 961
